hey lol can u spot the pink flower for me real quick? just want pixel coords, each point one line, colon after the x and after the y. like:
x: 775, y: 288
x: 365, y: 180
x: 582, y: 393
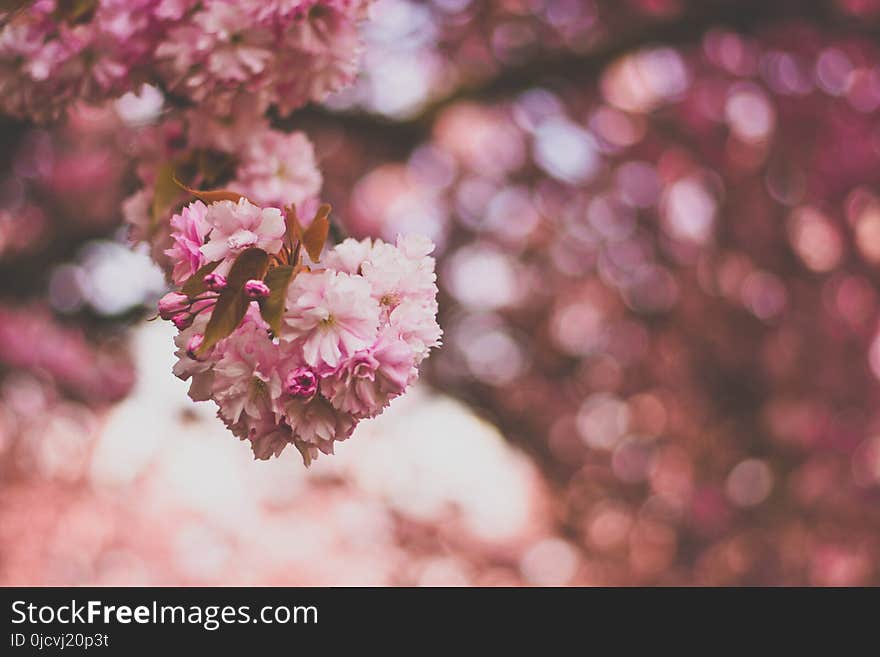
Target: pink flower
x: 403, y: 272
x: 366, y: 382
x: 417, y: 247
x: 256, y: 289
x: 238, y: 226
x: 278, y: 169
x: 317, y: 423
x: 268, y: 443
x: 415, y: 321
x: 332, y: 315
x: 212, y: 55
x: 189, y: 229
x: 215, y: 282
x: 324, y: 43
x: 245, y: 381
x: 348, y: 255
x: 200, y: 372
x: 234, y: 48
x: 267, y: 437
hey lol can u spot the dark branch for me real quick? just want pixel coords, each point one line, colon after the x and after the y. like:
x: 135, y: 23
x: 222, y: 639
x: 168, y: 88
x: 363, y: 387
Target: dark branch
x: 744, y: 16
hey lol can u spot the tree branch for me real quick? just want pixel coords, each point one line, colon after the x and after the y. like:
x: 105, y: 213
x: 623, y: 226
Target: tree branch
x: 743, y: 16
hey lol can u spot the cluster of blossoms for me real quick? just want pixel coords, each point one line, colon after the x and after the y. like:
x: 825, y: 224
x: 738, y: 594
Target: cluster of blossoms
x: 280, y: 53
x: 270, y: 167
x: 310, y: 352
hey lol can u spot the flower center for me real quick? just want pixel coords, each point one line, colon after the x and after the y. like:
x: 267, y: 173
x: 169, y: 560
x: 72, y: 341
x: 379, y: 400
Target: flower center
x: 258, y: 387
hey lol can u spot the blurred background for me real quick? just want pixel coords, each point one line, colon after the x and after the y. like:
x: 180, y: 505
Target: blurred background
x: 658, y: 229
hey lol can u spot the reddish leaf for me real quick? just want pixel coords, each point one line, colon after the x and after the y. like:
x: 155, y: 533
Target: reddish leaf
x: 294, y: 228
x: 316, y: 234
x: 210, y: 196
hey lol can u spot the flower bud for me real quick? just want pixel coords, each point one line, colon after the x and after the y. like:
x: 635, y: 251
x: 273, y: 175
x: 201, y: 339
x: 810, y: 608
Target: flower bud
x: 215, y: 282
x: 301, y: 383
x: 182, y: 321
x: 256, y: 289
x: 173, y: 304
x: 193, y: 346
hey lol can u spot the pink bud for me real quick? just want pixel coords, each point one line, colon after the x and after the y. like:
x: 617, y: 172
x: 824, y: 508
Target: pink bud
x: 256, y: 289
x: 301, y: 383
x: 215, y: 282
x: 172, y: 304
x: 194, y: 343
x: 182, y: 321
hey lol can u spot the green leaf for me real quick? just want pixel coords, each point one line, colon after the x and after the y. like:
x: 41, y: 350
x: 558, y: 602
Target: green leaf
x: 233, y: 302
x: 316, y: 234
x: 250, y: 263
x: 227, y: 315
x: 210, y: 196
x: 195, y: 284
x: 272, y: 307
x: 165, y: 192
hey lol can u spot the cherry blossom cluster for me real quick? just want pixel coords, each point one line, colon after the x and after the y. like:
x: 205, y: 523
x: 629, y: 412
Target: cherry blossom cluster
x: 349, y: 337
x: 280, y: 53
